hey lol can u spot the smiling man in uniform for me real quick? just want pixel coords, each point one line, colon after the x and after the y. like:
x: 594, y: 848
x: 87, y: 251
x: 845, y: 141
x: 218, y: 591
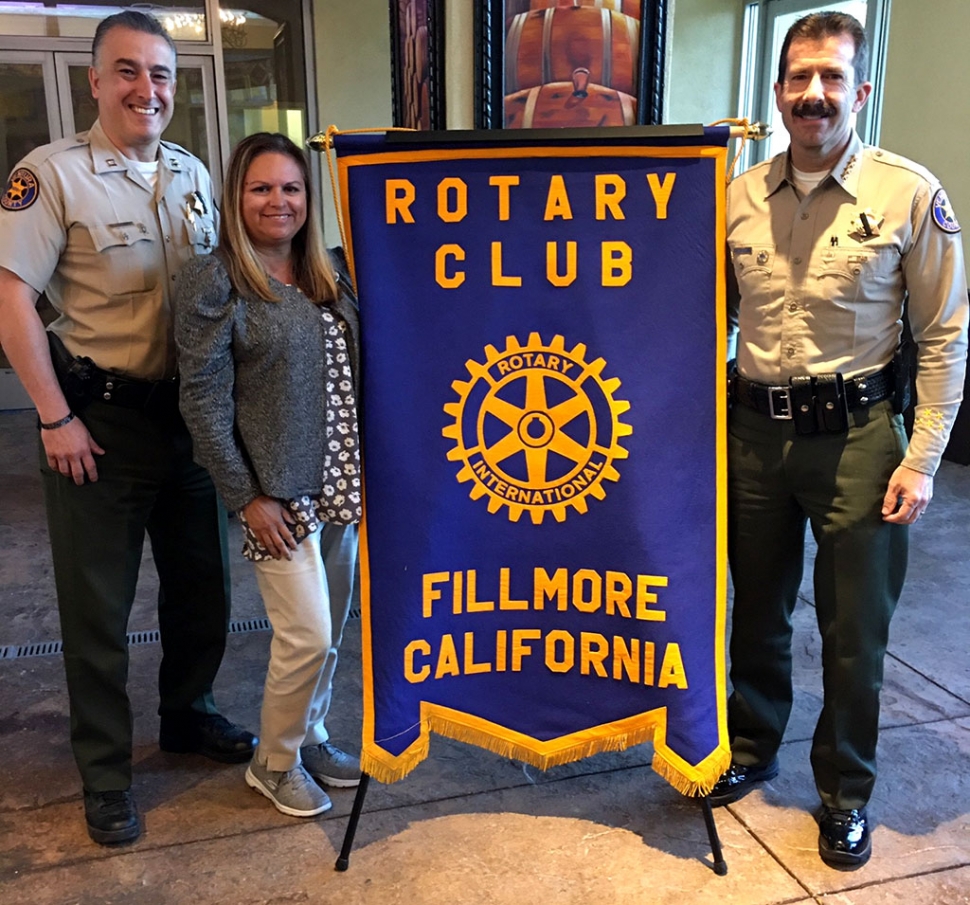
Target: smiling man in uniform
x: 828, y: 241
x: 102, y: 222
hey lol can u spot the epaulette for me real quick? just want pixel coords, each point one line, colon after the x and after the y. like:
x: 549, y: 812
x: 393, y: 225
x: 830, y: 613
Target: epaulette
x: 45, y: 152
x: 178, y: 149
x: 880, y: 155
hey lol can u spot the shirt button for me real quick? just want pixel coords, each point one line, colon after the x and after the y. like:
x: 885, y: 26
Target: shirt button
x: 796, y: 260
x: 790, y: 351
x: 804, y: 215
x: 793, y: 306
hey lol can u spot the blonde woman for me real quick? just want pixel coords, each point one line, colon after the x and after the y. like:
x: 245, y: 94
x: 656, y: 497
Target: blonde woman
x: 268, y: 351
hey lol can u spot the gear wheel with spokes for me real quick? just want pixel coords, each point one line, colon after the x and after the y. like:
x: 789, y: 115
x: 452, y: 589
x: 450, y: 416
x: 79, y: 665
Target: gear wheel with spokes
x: 537, y: 428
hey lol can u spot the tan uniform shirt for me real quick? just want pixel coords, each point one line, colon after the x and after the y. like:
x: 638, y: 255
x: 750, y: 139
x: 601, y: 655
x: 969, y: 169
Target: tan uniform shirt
x: 818, y: 284
x: 77, y: 222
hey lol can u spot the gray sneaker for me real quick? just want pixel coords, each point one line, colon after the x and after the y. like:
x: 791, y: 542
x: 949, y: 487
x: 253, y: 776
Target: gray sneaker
x: 293, y: 791
x: 331, y: 766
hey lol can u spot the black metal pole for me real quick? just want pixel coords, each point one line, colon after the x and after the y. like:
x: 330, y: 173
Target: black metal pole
x: 343, y: 859
x: 720, y: 865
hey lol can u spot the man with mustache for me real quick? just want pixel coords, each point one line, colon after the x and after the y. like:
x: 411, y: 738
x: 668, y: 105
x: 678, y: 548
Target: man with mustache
x: 827, y: 242
x: 102, y: 222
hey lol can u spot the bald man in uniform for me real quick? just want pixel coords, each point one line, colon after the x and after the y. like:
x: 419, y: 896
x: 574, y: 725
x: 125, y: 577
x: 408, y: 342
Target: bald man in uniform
x: 102, y: 222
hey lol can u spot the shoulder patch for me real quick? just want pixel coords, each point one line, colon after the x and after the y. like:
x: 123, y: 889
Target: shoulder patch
x: 22, y: 190
x: 943, y: 215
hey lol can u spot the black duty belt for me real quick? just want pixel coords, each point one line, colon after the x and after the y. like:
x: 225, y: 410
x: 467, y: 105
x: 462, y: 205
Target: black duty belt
x: 129, y: 392
x: 825, y: 391
x: 83, y: 382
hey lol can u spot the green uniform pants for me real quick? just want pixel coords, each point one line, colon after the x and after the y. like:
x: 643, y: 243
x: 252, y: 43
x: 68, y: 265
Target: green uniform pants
x: 835, y: 482
x: 147, y: 481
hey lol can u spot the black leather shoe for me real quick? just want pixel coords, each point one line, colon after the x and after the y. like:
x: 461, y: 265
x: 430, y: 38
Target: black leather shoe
x: 843, y: 837
x: 737, y: 781
x: 210, y: 735
x: 111, y: 816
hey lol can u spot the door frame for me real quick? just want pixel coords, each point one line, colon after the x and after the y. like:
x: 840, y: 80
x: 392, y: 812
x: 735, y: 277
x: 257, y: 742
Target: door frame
x: 63, y: 60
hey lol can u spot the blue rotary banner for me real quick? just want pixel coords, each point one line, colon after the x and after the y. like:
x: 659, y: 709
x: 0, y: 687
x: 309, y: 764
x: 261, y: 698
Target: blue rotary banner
x: 543, y: 559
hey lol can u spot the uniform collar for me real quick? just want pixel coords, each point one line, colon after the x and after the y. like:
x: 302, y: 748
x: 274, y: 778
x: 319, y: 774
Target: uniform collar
x: 107, y: 158
x: 845, y: 172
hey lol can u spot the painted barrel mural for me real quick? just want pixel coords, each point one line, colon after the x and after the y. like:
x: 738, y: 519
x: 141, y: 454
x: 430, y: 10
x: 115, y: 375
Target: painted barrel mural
x: 545, y: 46
x: 627, y: 7
x: 558, y: 105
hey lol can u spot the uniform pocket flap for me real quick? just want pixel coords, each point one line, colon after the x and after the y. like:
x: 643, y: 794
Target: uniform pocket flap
x: 114, y: 235
x: 200, y: 230
x: 750, y: 258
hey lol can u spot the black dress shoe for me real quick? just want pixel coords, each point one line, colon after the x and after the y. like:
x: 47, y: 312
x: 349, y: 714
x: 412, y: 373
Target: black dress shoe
x: 210, y: 735
x: 738, y: 780
x: 111, y: 816
x: 843, y: 837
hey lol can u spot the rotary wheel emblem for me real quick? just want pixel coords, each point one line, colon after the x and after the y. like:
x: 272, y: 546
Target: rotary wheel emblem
x: 536, y: 428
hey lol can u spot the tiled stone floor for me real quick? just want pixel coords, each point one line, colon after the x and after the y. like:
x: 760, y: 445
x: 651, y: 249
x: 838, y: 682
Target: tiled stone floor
x: 467, y: 826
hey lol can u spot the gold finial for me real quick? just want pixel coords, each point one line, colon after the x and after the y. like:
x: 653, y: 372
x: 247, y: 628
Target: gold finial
x: 319, y: 142
x: 750, y: 131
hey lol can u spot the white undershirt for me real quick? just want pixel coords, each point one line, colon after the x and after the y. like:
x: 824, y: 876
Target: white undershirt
x: 805, y: 182
x: 147, y: 168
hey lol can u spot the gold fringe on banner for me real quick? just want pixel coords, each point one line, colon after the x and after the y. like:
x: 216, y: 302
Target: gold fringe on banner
x: 688, y: 779
x: 617, y: 736
x: 386, y: 768
x: 691, y: 780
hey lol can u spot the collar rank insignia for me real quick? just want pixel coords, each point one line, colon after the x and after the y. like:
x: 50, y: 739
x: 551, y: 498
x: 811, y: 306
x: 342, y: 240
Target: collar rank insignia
x: 849, y: 164
x: 22, y: 190
x: 943, y: 215
x: 865, y: 225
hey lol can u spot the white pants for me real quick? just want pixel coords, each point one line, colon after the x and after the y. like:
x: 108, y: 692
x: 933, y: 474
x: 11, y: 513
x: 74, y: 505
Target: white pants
x: 307, y: 599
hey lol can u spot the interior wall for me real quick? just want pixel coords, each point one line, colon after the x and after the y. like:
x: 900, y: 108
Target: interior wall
x: 353, y: 63
x: 703, y: 60
x: 459, y: 64
x: 926, y: 116
x: 925, y: 112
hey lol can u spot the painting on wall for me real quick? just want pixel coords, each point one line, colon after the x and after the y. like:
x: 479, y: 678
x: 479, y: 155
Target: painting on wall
x: 417, y: 58
x: 547, y: 64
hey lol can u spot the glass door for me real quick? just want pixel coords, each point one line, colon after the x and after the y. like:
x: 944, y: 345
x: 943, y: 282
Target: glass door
x: 766, y: 24
x: 784, y: 14
x: 28, y: 118
x: 193, y: 122
x: 45, y: 95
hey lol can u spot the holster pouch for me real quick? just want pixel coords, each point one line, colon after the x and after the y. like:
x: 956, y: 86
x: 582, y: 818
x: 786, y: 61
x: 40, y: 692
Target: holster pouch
x: 904, y: 370
x: 75, y: 375
x: 803, y: 405
x: 832, y: 406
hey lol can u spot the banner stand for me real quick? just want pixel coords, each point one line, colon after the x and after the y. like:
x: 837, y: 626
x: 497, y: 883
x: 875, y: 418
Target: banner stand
x: 343, y: 859
x: 534, y: 426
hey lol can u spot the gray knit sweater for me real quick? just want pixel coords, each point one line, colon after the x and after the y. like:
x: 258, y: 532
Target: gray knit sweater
x: 252, y: 383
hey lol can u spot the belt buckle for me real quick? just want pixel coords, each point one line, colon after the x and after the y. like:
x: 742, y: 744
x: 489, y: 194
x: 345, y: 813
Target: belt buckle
x: 780, y: 411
